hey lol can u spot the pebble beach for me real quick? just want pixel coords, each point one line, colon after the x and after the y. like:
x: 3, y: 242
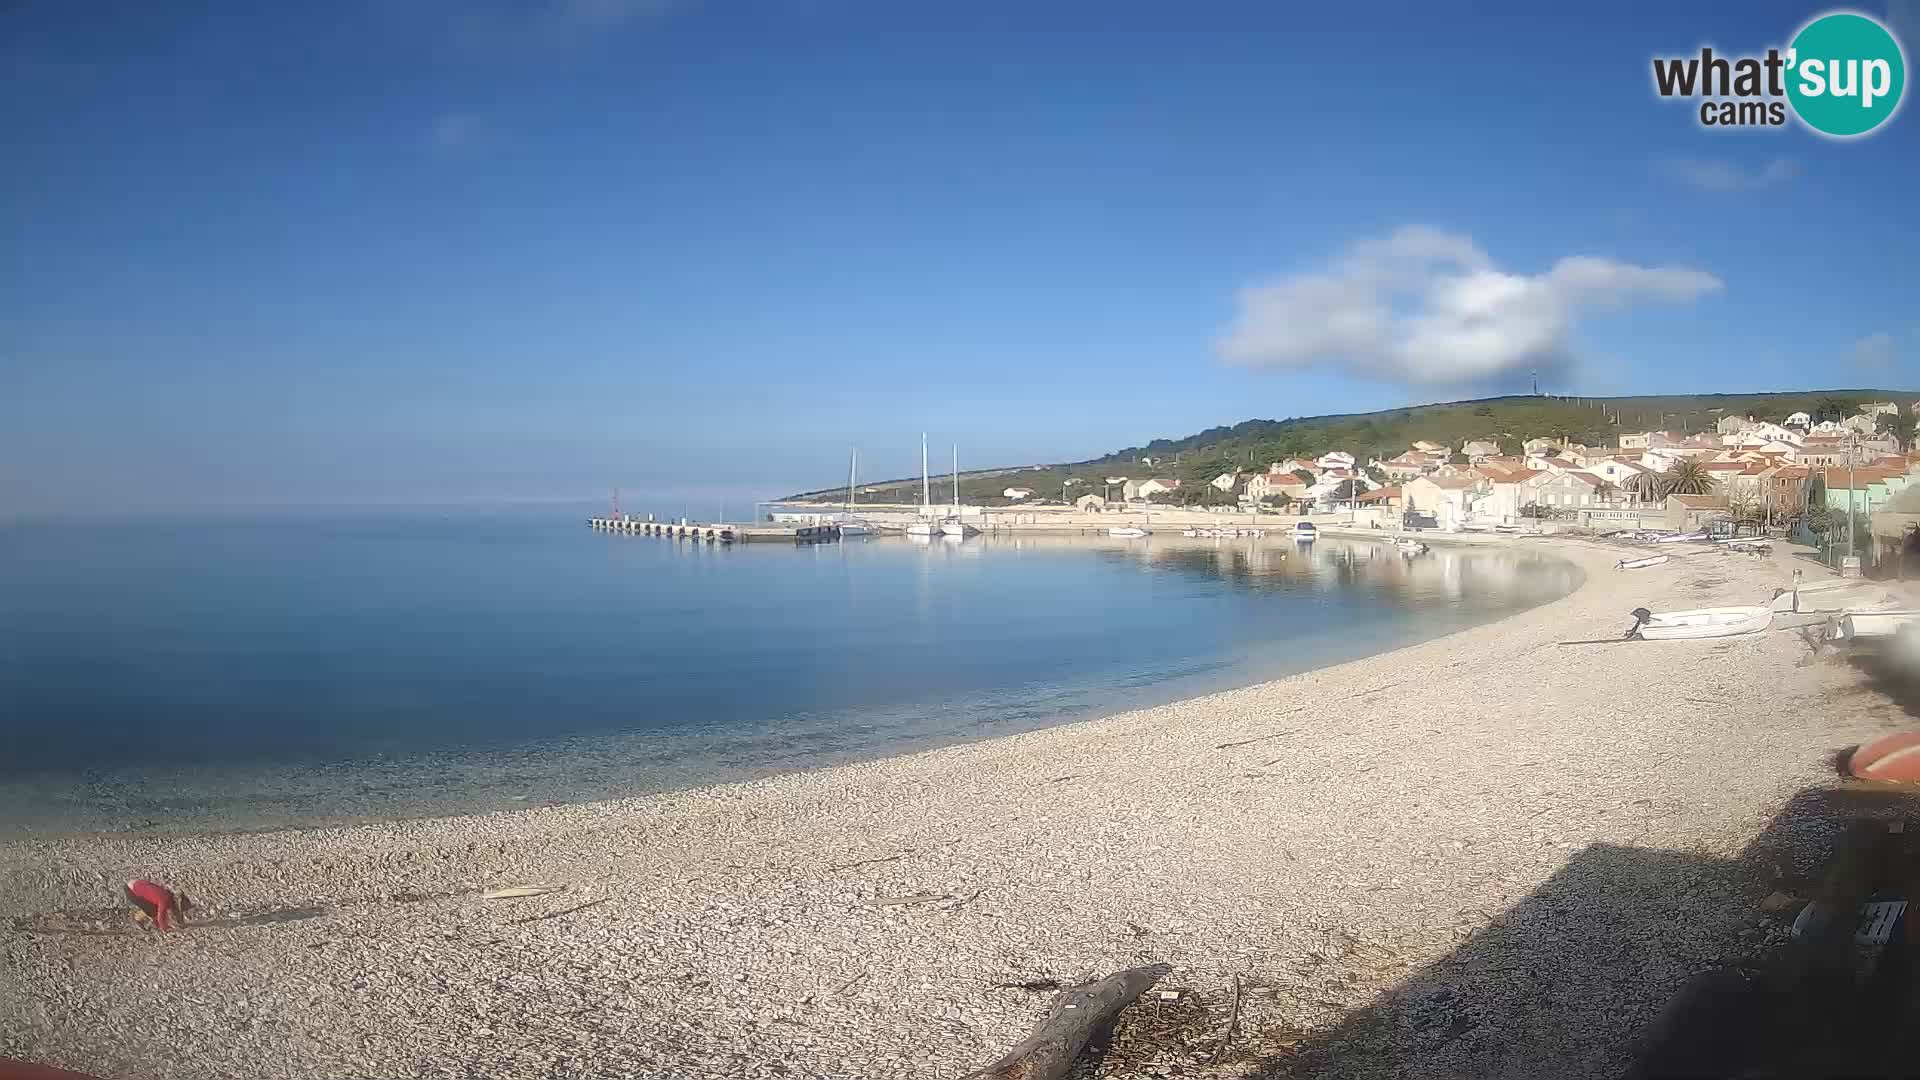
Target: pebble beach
x: 1485, y: 855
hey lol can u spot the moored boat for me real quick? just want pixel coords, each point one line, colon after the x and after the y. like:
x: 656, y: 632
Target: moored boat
x: 1305, y: 531
x: 1126, y: 532
x: 1699, y: 623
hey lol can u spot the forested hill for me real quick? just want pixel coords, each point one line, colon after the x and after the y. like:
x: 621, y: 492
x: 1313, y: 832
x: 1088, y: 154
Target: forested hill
x: 1253, y: 444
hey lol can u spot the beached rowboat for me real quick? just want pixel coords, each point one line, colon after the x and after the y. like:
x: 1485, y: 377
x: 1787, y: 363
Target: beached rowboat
x: 1865, y: 626
x: 1699, y: 623
x: 1638, y: 564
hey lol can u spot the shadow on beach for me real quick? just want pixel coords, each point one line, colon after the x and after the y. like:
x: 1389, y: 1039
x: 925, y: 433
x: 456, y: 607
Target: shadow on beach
x: 1551, y: 986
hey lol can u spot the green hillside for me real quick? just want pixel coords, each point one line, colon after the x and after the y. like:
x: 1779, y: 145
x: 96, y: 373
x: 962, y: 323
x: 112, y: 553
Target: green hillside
x: 1252, y: 444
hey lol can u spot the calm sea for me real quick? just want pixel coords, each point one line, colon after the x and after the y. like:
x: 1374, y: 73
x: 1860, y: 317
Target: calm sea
x: 307, y: 668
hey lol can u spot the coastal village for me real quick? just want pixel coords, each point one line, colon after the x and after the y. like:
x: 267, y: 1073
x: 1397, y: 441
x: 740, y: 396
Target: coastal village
x: 1796, y: 475
x: 1834, y: 483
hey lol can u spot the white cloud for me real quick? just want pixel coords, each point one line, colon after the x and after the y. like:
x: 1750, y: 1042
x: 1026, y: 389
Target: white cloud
x: 1875, y: 351
x: 1713, y: 174
x: 1429, y: 306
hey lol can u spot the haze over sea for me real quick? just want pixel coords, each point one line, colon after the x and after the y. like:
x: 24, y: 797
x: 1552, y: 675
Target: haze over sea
x: 309, y: 667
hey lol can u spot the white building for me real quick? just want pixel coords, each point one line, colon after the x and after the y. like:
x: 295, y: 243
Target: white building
x: 1802, y: 420
x: 1225, y: 481
x: 1155, y: 486
x: 1335, y: 459
x: 1017, y: 494
x: 1450, y: 499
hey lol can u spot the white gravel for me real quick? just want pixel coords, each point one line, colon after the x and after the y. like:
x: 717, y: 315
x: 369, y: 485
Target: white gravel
x: 1516, y: 850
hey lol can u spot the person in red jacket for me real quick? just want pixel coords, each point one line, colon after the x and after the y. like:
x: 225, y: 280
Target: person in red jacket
x: 162, y: 905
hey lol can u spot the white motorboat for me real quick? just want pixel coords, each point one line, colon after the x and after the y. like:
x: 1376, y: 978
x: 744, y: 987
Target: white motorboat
x: 922, y: 528
x: 1189, y: 532
x: 957, y: 529
x: 1305, y: 531
x: 1410, y: 547
x: 852, y: 529
x: 1868, y: 626
x: 1641, y: 564
x: 1127, y: 532
x: 1699, y: 623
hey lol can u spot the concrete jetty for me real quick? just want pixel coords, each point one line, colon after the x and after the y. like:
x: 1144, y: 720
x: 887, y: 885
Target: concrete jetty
x: 717, y: 532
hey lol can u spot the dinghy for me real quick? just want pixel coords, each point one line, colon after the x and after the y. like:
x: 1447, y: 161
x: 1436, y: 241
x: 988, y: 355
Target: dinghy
x: 1699, y: 623
x: 1871, y: 626
x: 1636, y: 564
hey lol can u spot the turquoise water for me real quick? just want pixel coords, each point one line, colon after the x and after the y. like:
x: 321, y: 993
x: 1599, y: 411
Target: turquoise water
x: 311, y: 667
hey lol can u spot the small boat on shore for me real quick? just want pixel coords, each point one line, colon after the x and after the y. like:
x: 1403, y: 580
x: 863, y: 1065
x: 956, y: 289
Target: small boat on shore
x: 1864, y: 627
x: 1679, y: 538
x: 1127, y: 532
x: 1641, y: 564
x: 1699, y: 623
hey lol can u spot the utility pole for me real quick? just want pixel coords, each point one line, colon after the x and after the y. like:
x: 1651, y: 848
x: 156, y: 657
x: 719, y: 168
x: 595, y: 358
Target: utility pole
x: 1852, y: 452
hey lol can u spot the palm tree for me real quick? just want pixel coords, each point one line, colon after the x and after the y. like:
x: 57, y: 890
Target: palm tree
x: 1686, y: 477
x: 1644, y: 486
x: 1605, y: 489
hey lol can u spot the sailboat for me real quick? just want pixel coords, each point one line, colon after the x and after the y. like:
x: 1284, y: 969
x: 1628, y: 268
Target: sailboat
x: 850, y: 525
x: 953, y: 526
x: 924, y: 528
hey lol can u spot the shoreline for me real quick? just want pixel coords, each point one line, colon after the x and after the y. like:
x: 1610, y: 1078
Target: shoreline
x: 183, y: 800
x: 1332, y: 838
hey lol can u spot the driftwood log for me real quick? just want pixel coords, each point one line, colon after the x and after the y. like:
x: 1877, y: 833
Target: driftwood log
x: 1076, y: 1016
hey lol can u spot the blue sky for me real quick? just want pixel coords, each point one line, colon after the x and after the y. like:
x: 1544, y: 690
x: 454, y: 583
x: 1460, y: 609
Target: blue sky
x: 444, y: 251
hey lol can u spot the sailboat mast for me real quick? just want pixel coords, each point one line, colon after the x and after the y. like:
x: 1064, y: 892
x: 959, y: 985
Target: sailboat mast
x: 956, y: 478
x: 853, y: 462
x: 926, y: 488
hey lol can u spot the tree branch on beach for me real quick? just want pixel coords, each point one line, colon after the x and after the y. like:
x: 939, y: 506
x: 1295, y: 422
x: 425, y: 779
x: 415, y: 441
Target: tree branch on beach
x: 1076, y: 1016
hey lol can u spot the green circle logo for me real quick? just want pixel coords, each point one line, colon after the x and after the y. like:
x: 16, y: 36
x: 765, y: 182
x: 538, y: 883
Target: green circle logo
x: 1845, y: 74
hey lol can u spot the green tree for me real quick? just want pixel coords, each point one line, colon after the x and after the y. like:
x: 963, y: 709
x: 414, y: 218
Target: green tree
x: 1904, y: 426
x: 1834, y: 408
x: 1687, y: 477
x: 1376, y: 474
x: 1304, y: 476
x: 1645, y: 486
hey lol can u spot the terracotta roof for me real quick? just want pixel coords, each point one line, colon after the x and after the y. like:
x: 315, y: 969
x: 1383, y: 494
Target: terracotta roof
x: 1723, y: 466
x: 1454, y: 482
x: 1836, y: 475
x: 1702, y: 502
x: 1390, y: 492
